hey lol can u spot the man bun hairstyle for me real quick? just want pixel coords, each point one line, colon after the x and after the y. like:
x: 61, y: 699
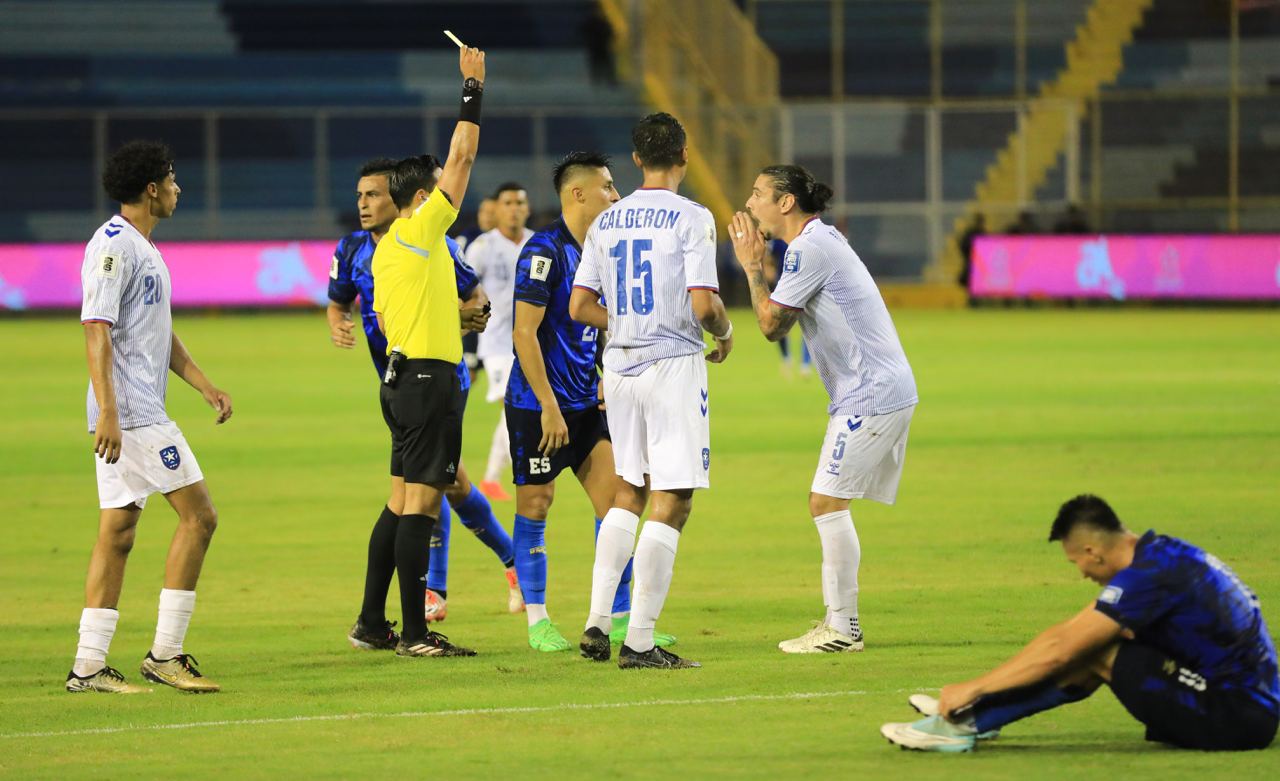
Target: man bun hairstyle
x: 573, y: 163
x: 659, y: 141
x: 378, y: 166
x: 1084, y: 510
x: 133, y: 166
x: 812, y: 196
x: 411, y: 175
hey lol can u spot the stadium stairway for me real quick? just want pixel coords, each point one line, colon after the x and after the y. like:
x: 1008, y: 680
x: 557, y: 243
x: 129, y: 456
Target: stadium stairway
x: 1093, y: 60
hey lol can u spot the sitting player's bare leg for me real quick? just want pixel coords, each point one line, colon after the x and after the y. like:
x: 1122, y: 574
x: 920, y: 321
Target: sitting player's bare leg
x: 197, y: 520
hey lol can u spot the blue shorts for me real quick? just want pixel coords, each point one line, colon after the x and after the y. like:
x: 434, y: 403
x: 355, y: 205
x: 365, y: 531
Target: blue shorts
x: 586, y: 428
x: 1180, y: 707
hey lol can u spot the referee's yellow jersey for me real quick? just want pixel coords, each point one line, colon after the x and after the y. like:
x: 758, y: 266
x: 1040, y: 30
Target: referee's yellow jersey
x: 414, y: 287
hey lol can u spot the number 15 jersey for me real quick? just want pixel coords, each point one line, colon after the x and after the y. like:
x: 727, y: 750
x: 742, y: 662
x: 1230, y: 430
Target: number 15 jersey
x: 642, y: 256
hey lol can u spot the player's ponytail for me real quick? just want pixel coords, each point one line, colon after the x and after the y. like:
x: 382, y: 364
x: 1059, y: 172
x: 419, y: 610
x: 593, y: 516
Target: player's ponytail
x: 812, y: 196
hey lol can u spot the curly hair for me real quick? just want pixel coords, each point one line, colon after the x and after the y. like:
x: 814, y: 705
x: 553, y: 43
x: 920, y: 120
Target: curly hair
x: 133, y: 166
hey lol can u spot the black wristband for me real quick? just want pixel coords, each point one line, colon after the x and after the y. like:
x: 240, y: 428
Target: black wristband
x: 472, y: 92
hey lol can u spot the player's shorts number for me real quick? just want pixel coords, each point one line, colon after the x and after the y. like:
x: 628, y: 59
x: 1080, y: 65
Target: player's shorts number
x: 642, y: 272
x: 539, y: 466
x: 837, y: 452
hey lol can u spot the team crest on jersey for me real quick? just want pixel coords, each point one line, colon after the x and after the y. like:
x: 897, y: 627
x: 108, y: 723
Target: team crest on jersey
x: 706, y: 459
x: 110, y: 266
x: 170, y: 457
x: 539, y: 268
x: 791, y: 261
x: 1111, y: 595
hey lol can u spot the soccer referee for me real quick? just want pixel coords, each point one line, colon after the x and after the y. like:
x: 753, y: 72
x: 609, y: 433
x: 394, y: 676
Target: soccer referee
x: 416, y: 300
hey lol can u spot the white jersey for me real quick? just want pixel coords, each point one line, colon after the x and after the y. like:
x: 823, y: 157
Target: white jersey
x: 493, y: 256
x: 845, y: 323
x: 126, y: 284
x: 643, y: 255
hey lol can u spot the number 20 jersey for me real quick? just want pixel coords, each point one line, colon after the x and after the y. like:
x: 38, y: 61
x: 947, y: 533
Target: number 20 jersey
x: 642, y: 256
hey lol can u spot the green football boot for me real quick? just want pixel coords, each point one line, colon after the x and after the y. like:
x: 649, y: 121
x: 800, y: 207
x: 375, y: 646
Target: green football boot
x: 543, y: 636
x: 618, y: 633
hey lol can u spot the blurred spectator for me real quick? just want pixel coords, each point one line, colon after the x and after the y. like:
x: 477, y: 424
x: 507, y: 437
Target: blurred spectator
x: 976, y: 228
x: 1072, y: 222
x: 486, y: 220
x: 597, y: 39
x: 1026, y: 224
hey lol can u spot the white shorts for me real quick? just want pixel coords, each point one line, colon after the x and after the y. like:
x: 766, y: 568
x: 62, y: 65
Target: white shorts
x: 153, y: 459
x: 498, y: 370
x: 658, y: 424
x: 862, y: 456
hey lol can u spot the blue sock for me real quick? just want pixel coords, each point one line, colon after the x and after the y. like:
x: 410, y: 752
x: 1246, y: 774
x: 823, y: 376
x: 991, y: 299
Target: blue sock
x: 476, y: 514
x: 531, y: 559
x: 438, y: 568
x: 622, y: 597
x: 996, y: 710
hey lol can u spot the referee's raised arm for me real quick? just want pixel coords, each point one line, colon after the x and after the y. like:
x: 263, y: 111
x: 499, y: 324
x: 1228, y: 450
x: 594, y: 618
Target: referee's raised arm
x: 466, y: 136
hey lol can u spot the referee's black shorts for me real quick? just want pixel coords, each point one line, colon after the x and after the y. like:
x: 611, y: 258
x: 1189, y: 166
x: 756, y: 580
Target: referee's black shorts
x: 1181, y: 708
x: 524, y: 428
x: 424, y: 410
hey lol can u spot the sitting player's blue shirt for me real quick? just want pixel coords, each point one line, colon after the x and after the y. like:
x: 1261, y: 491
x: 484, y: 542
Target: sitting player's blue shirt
x: 544, y: 277
x: 1188, y: 604
x: 352, y: 275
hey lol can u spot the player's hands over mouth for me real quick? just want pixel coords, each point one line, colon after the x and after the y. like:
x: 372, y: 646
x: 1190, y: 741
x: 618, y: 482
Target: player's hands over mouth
x: 341, y: 335
x: 107, y: 438
x: 748, y: 242
x: 956, y: 697
x: 474, y: 318
x: 219, y: 400
x: 471, y: 63
x: 555, y: 432
x: 723, y: 346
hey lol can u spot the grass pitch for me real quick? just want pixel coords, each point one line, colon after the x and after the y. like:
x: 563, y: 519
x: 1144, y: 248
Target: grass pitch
x: 1174, y: 416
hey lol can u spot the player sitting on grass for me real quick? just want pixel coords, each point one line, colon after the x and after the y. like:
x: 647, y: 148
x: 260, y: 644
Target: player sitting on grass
x: 1175, y: 634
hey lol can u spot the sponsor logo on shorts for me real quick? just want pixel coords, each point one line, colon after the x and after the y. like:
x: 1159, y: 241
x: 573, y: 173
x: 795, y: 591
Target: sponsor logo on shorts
x: 704, y: 404
x: 854, y: 426
x: 538, y: 549
x: 169, y: 456
x: 833, y: 468
x: 706, y: 458
x: 1111, y: 595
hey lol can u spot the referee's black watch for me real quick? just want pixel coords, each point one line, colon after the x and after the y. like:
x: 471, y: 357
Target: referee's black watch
x: 471, y: 83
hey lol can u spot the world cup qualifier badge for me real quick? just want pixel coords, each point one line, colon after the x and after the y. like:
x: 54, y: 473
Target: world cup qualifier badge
x: 170, y: 457
x: 791, y: 261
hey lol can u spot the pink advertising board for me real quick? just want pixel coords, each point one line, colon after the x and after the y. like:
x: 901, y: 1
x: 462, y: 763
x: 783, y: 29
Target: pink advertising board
x: 222, y: 273
x: 1127, y: 267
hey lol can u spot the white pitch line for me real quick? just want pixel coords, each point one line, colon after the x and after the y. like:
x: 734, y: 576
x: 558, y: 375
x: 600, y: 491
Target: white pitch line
x: 568, y: 706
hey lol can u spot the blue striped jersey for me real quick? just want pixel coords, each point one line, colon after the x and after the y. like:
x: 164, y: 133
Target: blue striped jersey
x: 544, y: 277
x: 846, y: 325
x: 125, y: 283
x: 642, y: 256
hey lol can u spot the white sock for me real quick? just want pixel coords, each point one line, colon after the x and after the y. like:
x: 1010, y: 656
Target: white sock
x: 841, y: 553
x: 499, y: 451
x: 97, y: 626
x: 536, y: 613
x: 655, y: 561
x: 176, y: 608
x: 614, y: 544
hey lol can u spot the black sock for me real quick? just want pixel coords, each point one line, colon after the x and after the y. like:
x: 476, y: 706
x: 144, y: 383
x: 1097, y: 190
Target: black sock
x: 378, y: 571
x: 413, y: 556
